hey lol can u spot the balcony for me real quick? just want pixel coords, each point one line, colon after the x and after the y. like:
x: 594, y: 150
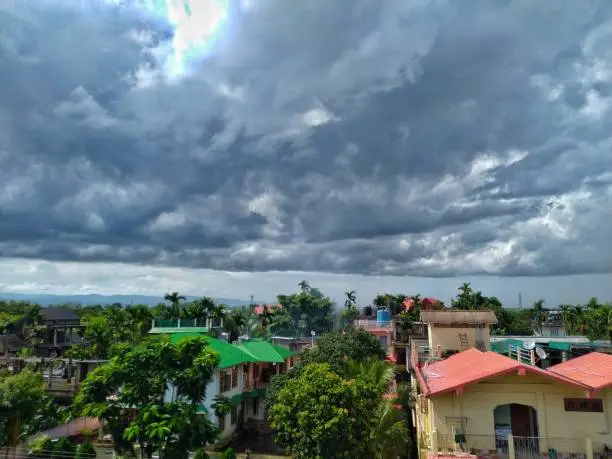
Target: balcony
x: 374, y: 325
x: 180, y: 323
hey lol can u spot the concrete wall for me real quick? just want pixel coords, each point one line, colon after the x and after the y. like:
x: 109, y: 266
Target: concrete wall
x: 559, y: 429
x: 448, y: 337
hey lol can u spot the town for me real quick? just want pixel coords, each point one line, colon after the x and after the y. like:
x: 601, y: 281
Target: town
x: 403, y: 376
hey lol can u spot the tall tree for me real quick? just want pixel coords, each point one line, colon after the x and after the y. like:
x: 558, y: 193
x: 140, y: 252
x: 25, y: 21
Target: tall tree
x: 174, y: 298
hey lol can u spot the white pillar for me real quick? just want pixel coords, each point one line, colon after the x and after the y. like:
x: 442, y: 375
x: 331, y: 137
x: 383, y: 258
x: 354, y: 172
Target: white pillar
x: 434, y: 442
x: 511, y: 452
x: 589, y: 448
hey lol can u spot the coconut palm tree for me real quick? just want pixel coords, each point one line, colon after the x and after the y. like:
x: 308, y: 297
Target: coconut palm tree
x: 174, y: 298
x: 351, y: 299
x: 538, y: 314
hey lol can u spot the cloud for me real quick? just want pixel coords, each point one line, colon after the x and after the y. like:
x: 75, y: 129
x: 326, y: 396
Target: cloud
x: 426, y: 138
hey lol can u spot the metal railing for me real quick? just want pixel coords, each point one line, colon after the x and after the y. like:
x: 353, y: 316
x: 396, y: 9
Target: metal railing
x: 180, y: 323
x: 493, y: 446
x: 374, y: 324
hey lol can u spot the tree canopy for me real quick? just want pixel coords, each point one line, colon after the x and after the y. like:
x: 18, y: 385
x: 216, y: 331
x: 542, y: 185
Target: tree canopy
x: 131, y: 394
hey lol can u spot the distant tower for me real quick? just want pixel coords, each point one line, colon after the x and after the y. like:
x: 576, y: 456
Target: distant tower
x: 252, y: 297
x: 520, y: 301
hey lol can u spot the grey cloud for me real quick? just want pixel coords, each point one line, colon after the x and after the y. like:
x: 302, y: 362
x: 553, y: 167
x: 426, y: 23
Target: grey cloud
x: 365, y: 138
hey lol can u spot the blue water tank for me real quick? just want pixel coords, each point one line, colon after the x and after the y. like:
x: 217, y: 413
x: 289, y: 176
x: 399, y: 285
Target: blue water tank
x: 382, y: 316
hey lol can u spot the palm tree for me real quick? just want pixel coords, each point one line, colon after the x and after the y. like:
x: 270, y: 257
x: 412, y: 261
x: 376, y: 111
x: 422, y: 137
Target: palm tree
x: 304, y: 286
x: 217, y: 314
x: 566, y: 312
x: 174, y: 298
x: 391, y: 436
x: 538, y: 314
x: 378, y: 372
x: 351, y: 299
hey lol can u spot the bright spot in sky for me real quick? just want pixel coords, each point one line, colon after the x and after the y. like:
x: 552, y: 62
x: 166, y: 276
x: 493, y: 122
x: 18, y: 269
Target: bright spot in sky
x: 196, y: 24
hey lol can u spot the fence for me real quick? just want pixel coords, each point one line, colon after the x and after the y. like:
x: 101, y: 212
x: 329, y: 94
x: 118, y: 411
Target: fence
x: 514, y: 447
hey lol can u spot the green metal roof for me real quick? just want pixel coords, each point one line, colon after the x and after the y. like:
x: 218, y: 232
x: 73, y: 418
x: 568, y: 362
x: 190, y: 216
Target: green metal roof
x: 173, y: 330
x: 503, y: 346
x: 229, y: 354
x: 265, y: 351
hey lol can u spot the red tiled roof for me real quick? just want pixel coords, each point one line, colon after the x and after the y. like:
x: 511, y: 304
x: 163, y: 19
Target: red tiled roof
x: 593, y: 369
x: 472, y: 366
x: 270, y: 307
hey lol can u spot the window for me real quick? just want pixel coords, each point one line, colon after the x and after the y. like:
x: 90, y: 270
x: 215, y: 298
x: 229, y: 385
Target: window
x: 225, y: 381
x: 221, y: 423
x: 587, y: 405
x: 255, y: 406
x: 234, y: 376
x: 234, y: 414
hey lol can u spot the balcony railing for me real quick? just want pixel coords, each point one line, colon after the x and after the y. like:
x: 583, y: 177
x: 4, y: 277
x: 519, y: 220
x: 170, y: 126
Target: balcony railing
x: 180, y: 323
x: 374, y: 324
x: 511, y: 447
x: 251, y: 385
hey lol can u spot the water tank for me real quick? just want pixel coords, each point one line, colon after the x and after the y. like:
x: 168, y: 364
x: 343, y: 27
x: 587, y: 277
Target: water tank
x: 382, y: 316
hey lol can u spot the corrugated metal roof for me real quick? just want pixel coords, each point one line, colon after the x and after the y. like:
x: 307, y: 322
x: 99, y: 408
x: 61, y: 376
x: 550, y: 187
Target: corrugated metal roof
x: 229, y: 354
x: 593, y: 369
x: 472, y: 366
x: 459, y: 317
x: 264, y: 351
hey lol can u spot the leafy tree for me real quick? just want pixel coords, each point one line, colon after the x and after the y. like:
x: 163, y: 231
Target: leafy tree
x: 25, y: 407
x: 395, y: 302
x: 85, y: 451
x: 302, y: 312
x: 320, y: 415
x: 351, y: 299
x: 337, y: 347
x: 137, y: 380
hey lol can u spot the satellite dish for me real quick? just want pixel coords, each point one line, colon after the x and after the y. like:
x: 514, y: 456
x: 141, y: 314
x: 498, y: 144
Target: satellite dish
x: 541, y: 353
x: 530, y: 344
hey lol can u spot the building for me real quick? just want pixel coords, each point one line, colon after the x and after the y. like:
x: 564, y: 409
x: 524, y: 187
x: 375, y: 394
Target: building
x: 59, y: 329
x: 243, y: 374
x: 487, y: 404
x: 451, y: 331
x: 553, y: 325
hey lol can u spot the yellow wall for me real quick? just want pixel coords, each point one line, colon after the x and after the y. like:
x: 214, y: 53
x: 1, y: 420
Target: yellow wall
x: 564, y: 431
x: 448, y: 338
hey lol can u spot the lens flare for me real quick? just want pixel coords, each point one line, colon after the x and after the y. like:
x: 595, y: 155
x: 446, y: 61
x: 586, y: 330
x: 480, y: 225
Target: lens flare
x: 196, y: 25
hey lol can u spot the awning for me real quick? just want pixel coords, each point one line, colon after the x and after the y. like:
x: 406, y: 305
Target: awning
x: 560, y: 345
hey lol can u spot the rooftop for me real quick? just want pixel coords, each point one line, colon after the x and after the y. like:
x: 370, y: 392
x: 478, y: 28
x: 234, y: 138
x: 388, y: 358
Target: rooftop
x: 593, y: 370
x: 459, y: 317
x: 58, y: 313
x: 473, y: 366
x: 256, y: 350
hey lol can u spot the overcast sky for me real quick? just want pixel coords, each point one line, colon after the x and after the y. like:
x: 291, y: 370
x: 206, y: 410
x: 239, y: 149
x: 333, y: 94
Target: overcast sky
x: 398, y: 145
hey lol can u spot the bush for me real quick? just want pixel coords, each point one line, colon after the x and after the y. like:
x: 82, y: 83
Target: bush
x: 85, y: 451
x: 41, y: 448
x: 63, y: 449
x: 229, y: 454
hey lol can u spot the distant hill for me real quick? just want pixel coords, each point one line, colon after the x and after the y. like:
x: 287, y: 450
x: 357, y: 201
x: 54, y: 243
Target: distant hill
x: 46, y: 299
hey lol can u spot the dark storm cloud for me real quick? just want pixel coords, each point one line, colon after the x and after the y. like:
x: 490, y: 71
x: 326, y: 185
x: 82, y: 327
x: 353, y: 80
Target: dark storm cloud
x: 425, y: 138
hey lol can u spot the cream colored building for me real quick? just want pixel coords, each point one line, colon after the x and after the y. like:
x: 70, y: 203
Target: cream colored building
x: 486, y: 404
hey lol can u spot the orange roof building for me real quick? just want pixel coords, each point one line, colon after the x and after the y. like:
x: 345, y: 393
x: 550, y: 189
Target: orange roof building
x: 478, y: 401
x: 593, y: 370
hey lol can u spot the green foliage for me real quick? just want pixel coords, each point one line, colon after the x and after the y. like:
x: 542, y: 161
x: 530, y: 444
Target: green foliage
x: 139, y: 378
x: 85, y: 451
x: 304, y: 311
x: 25, y: 408
x: 229, y: 454
x: 63, y: 449
x: 337, y: 347
x: 221, y: 404
x: 40, y: 448
x: 318, y: 414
